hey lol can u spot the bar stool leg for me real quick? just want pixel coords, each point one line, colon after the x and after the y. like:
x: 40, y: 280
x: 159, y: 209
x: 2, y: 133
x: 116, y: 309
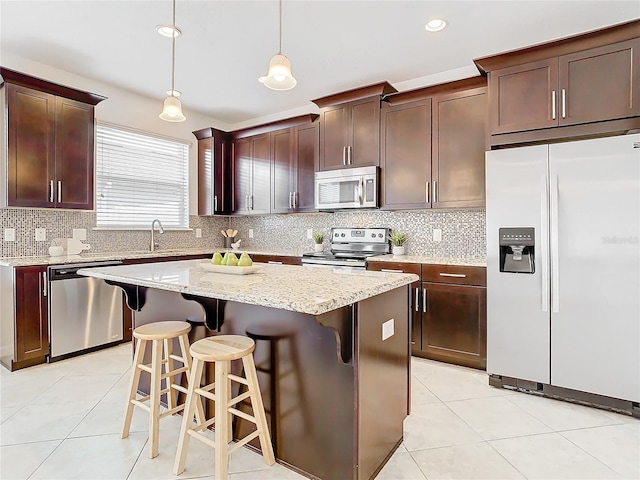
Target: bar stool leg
x: 258, y: 410
x: 170, y: 366
x: 184, y: 345
x: 192, y: 400
x: 154, y: 401
x: 133, y: 387
x: 222, y: 427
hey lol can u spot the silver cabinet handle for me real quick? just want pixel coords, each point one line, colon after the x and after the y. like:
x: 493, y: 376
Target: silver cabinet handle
x: 564, y: 103
x: 344, y: 156
x: 349, y: 150
x: 215, y: 203
x: 553, y: 104
x: 390, y: 270
x: 417, y: 299
x: 272, y: 262
x: 290, y: 202
x: 426, y: 191
x: 51, y: 191
x: 246, y: 199
x: 424, y: 300
x: 59, y: 191
x: 434, y: 192
x: 456, y: 275
x: 44, y: 284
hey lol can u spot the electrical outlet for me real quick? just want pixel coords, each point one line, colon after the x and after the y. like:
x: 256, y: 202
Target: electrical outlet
x: 198, y: 233
x: 41, y: 234
x: 387, y: 329
x: 309, y: 233
x: 9, y: 234
x: 251, y: 233
x: 80, y: 233
x: 437, y: 235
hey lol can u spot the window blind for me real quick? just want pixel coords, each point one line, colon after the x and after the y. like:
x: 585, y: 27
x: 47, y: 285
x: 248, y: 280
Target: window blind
x: 140, y: 177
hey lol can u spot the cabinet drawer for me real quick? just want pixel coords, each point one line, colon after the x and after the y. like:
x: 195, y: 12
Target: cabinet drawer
x: 399, y: 267
x: 458, y: 274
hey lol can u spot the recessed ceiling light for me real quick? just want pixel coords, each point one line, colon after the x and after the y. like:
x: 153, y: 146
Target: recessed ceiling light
x: 168, y: 31
x: 435, y: 25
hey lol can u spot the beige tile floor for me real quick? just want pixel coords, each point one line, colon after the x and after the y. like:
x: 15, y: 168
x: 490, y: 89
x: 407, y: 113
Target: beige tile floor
x: 61, y: 421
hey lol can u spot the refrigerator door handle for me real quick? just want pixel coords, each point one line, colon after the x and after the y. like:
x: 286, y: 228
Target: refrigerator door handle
x: 544, y: 241
x: 555, y: 274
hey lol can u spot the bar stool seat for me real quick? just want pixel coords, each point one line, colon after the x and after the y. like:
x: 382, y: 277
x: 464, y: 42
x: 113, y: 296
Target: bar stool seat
x: 161, y: 336
x: 221, y: 350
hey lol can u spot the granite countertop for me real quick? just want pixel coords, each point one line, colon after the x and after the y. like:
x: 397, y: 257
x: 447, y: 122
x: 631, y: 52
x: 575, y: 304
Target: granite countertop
x: 428, y: 260
x: 288, y: 287
x: 106, y: 256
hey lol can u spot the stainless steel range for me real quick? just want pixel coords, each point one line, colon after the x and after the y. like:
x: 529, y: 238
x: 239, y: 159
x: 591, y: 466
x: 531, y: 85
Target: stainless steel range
x: 350, y: 247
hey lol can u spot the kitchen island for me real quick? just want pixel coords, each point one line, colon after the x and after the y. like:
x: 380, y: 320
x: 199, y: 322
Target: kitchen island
x: 332, y: 350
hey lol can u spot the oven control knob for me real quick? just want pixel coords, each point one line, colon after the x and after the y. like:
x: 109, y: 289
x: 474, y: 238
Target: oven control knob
x: 380, y: 235
x: 342, y: 235
x: 373, y: 235
x: 335, y: 234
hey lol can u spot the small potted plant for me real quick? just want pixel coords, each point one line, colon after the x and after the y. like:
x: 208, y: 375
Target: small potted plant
x: 318, y: 238
x: 398, y: 239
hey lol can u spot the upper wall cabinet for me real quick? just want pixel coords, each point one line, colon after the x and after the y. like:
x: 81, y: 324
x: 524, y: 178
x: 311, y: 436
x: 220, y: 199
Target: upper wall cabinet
x: 213, y: 172
x: 350, y: 127
x: 433, y: 145
x: 50, y: 144
x: 580, y: 86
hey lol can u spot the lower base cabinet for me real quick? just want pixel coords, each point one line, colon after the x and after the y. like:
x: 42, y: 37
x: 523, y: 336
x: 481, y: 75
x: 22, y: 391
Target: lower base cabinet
x: 448, y: 311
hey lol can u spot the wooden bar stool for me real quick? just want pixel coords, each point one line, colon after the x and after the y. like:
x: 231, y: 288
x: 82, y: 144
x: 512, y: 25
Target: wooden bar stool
x: 222, y: 349
x: 161, y: 334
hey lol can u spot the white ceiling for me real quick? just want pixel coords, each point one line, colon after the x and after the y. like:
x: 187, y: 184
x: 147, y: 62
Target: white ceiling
x: 333, y: 45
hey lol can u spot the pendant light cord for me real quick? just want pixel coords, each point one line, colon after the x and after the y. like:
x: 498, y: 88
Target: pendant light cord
x: 280, y: 45
x: 173, y: 51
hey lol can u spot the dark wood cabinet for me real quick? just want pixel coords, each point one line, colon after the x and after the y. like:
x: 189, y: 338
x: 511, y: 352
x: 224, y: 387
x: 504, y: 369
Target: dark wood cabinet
x: 277, y: 259
x: 252, y: 175
x: 459, y: 141
x: 405, y: 155
x: 579, y: 86
x: 350, y: 127
x: 50, y: 144
x: 213, y: 172
x: 454, y: 314
x: 433, y: 145
x: 31, y: 320
x: 414, y: 300
x: 294, y: 159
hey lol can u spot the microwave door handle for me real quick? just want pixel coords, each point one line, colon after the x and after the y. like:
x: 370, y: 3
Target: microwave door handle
x: 361, y: 190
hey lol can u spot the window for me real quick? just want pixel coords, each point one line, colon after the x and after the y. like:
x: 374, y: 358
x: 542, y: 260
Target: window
x: 140, y: 177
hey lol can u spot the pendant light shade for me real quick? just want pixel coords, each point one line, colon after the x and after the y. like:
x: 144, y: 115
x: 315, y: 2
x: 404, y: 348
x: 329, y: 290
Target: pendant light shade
x: 172, y: 108
x: 279, y: 76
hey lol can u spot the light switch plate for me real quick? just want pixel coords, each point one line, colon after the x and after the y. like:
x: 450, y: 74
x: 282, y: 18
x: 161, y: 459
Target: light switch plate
x: 41, y: 234
x: 251, y: 233
x: 80, y: 233
x: 309, y: 233
x: 388, y: 329
x: 9, y: 234
x: 198, y: 233
x: 437, y: 235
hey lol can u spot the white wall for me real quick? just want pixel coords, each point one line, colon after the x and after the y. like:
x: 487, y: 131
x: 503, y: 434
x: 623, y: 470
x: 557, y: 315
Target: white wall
x: 127, y: 109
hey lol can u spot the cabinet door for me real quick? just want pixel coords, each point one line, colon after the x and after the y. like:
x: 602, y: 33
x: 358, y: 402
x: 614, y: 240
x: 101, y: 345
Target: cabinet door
x: 30, y: 151
x: 459, y: 144
x: 364, y: 133
x: 333, y: 136
x: 600, y: 84
x: 405, y: 155
x: 31, y: 328
x: 282, y: 169
x: 74, y: 137
x: 261, y: 175
x: 454, y: 324
x: 242, y: 175
x: 306, y: 144
x: 524, y: 97
x: 212, y: 176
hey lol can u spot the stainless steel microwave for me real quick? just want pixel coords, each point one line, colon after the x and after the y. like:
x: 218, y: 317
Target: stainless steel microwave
x: 347, y: 188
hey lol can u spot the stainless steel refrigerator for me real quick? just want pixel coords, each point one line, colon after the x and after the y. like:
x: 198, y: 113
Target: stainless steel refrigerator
x: 563, y: 265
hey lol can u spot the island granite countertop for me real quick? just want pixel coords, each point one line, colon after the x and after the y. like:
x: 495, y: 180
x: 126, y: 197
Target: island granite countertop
x: 307, y: 290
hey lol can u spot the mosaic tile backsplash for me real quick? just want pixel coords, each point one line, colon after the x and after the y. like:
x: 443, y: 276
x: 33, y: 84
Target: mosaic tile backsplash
x: 463, y: 231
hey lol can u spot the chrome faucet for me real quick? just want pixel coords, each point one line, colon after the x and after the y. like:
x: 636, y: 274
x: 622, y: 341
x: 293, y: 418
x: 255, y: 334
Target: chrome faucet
x: 154, y: 244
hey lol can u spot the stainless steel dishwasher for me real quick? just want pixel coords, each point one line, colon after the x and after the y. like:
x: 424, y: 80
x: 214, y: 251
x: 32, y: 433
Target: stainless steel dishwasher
x: 85, y: 313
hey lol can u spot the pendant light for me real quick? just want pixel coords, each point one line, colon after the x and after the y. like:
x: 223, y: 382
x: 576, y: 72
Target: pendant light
x: 172, y: 109
x: 279, y: 76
